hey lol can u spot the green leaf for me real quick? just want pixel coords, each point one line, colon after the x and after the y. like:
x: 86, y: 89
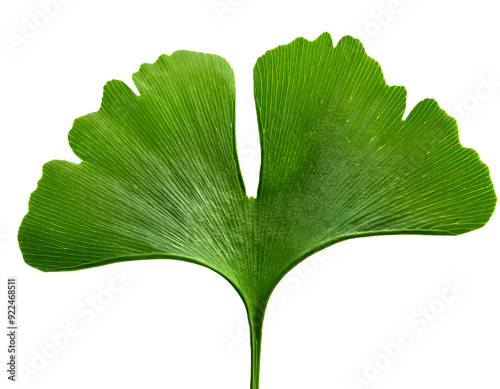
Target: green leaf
x: 160, y: 178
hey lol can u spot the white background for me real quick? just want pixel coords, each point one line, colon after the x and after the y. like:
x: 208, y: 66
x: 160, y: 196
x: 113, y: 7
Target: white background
x: 177, y: 325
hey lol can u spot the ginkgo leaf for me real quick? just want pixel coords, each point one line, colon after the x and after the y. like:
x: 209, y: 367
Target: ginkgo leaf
x: 160, y: 178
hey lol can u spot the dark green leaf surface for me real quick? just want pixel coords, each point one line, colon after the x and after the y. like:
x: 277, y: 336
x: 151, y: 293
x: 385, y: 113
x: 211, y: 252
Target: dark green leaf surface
x: 160, y: 175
